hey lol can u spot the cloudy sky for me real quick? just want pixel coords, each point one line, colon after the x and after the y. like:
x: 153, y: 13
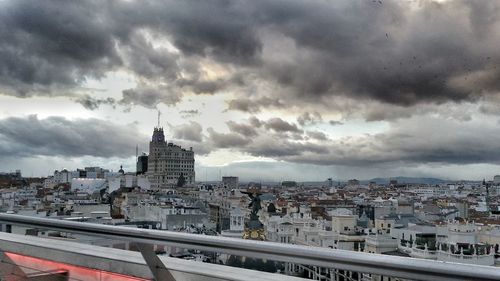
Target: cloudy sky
x: 266, y: 90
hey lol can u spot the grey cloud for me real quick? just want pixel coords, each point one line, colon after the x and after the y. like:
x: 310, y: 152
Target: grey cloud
x: 43, y: 53
x: 189, y: 113
x: 145, y: 60
x: 245, y: 105
x: 254, y: 138
x: 409, y: 142
x: 356, y: 57
x: 243, y: 129
x: 309, y: 118
x: 335, y: 122
x: 222, y: 29
x: 279, y: 125
x: 57, y: 136
x: 148, y: 96
x: 199, y: 86
x: 254, y: 105
x: 199, y: 148
x: 192, y: 131
x: 292, y: 53
x: 230, y: 140
x: 92, y: 103
x: 281, y: 148
x: 414, y: 142
x: 254, y: 121
x: 379, y: 111
x: 317, y: 135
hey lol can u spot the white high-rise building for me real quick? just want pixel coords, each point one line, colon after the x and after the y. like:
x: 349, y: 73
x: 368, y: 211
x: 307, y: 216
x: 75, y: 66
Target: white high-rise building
x: 167, y: 162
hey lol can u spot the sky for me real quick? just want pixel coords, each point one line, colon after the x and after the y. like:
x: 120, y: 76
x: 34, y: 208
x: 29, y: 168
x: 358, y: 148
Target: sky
x: 264, y: 90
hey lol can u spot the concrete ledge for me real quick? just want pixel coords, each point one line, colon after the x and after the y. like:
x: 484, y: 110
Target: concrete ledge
x: 125, y: 262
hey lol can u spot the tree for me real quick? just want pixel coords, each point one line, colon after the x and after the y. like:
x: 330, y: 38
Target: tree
x: 181, y: 180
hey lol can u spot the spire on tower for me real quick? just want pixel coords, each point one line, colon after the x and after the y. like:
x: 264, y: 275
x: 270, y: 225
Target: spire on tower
x: 159, y: 113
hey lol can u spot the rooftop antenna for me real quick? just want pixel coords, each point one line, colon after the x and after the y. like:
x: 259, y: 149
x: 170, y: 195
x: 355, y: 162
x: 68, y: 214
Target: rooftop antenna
x: 136, y: 151
x: 487, y: 199
x: 159, y: 113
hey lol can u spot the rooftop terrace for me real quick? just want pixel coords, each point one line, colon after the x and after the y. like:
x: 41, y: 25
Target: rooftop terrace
x: 23, y: 252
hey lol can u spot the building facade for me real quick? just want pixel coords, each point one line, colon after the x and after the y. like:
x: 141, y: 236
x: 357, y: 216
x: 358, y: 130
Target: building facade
x: 142, y: 164
x: 230, y: 182
x: 167, y: 162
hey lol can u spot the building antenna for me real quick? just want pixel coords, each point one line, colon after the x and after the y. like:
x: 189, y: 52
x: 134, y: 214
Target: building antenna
x: 136, y: 151
x: 159, y: 113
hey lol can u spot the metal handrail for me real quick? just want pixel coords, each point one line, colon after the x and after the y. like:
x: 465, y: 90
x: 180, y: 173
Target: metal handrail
x: 385, y: 265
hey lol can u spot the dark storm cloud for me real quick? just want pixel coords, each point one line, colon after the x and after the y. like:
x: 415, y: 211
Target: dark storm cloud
x: 57, y: 136
x: 278, y: 54
x: 222, y: 29
x: 390, y: 52
x: 147, y: 61
x: 192, y: 131
x: 49, y: 46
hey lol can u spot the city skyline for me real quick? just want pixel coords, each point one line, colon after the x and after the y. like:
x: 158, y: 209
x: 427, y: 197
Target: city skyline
x: 299, y: 90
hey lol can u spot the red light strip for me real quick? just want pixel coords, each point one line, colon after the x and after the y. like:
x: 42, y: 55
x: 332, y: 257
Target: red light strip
x: 75, y: 272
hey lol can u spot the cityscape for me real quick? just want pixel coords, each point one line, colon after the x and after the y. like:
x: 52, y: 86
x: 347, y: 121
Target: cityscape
x: 329, y: 140
x: 449, y: 221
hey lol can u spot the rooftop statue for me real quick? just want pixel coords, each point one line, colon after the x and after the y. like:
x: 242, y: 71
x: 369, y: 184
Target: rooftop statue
x: 254, y: 228
x: 254, y: 205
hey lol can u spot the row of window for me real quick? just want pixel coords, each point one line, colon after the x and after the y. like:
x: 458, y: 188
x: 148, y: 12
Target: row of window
x: 174, y: 161
x: 179, y: 166
x: 173, y: 167
x: 188, y: 179
x: 160, y: 152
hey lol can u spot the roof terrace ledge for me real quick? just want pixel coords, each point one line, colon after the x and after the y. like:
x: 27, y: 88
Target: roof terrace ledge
x: 129, y: 263
x: 409, y: 268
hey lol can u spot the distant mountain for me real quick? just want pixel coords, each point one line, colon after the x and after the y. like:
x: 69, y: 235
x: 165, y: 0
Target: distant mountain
x: 401, y: 180
x: 406, y: 180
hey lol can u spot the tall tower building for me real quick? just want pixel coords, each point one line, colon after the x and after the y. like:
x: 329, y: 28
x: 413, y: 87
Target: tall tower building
x: 142, y: 164
x: 167, y: 162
